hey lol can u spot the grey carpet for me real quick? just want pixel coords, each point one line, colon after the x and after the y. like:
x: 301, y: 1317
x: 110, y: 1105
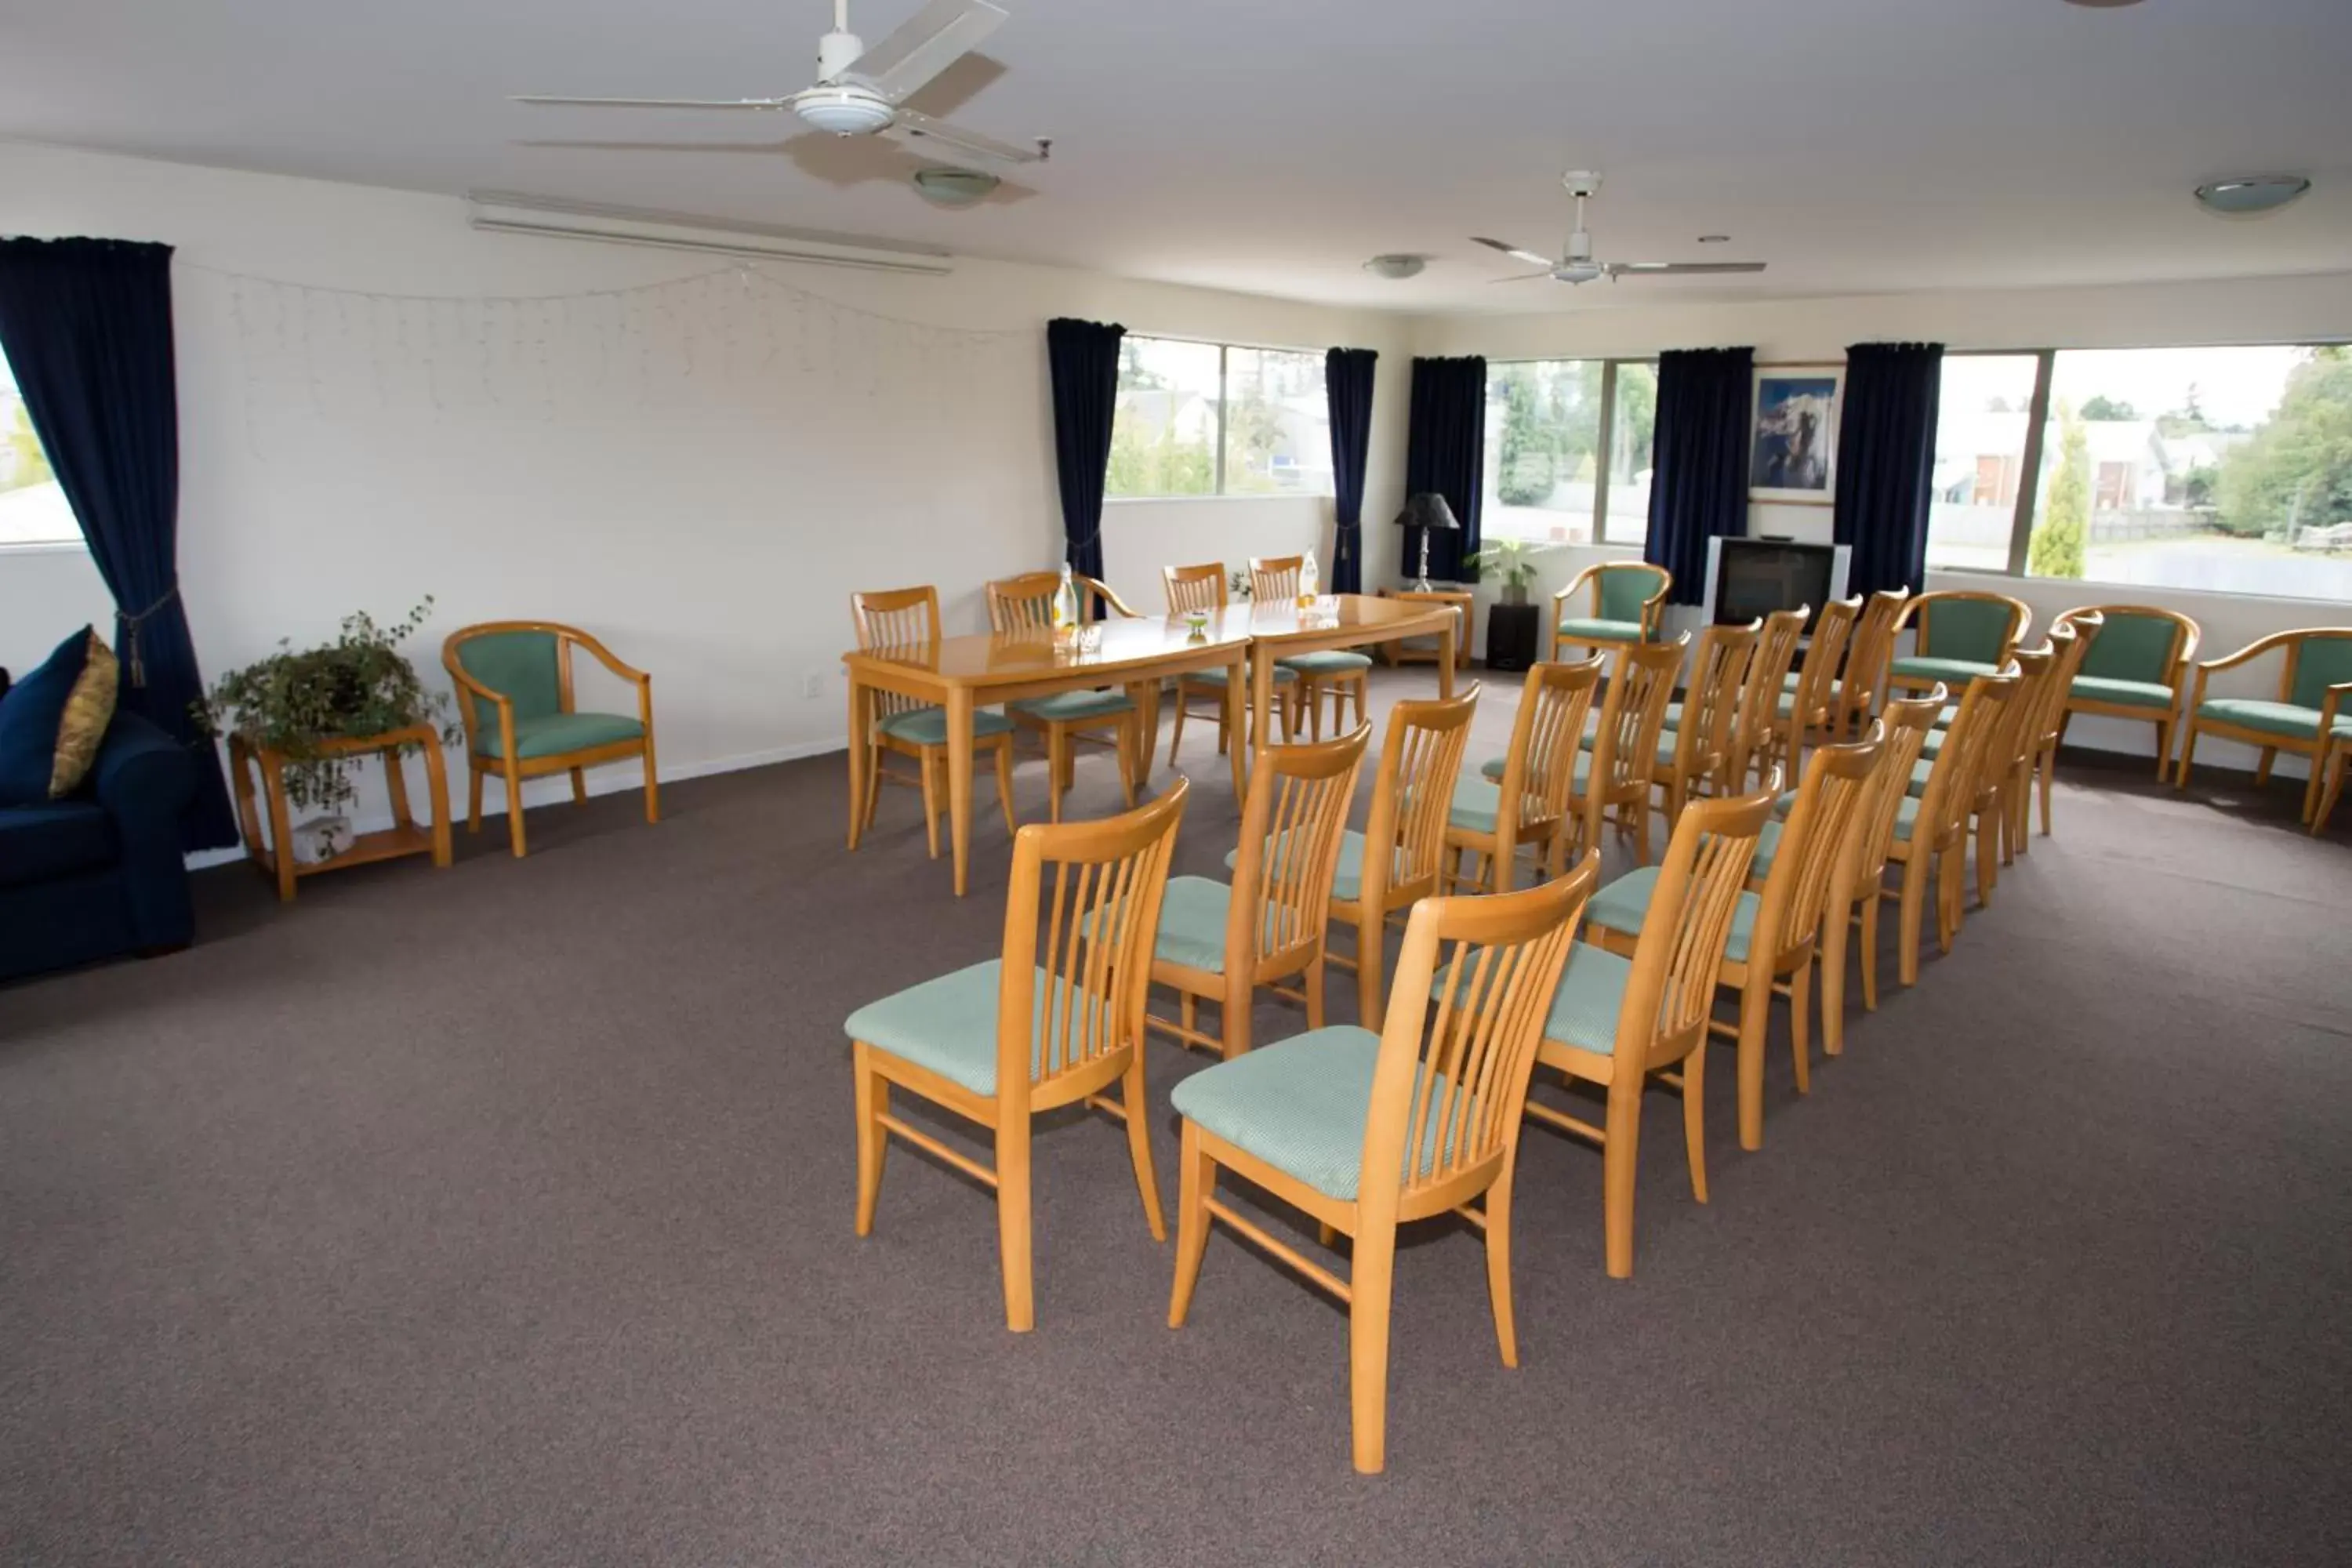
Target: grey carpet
x: 503, y: 1215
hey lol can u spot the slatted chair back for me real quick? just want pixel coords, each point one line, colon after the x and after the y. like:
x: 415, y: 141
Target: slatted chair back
x: 1292, y: 822
x: 1871, y: 650
x: 1904, y: 724
x: 1405, y: 837
x: 1788, y: 914
x: 895, y: 618
x: 1025, y: 603
x: 1192, y: 590
x: 1474, y: 986
x: 1274, y: 579
x: 1546, y: 738
x: 2050, y: 707
x: 1079, y: 921
x: 1670, y: 993
x: 2013, y: 738
x: 1953, y: 780
x: 1711, y: 700
x: 1632, y: 717
x: 1760, y: 692
x: 1817, y: 680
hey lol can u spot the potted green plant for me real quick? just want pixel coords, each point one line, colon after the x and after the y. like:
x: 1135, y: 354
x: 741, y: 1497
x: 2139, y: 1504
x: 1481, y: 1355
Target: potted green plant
x: 357, y: 686
x: 1515, y: 559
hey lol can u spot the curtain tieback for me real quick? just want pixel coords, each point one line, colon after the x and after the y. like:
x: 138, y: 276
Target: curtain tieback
x: 131, y: 621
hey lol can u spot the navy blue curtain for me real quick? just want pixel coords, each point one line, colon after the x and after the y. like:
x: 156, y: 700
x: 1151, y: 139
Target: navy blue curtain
x: 1084, y: 359
x: 1886, y: 462
x: 87, y: 326
x: 1698, y: 486
x: 1445, y: 452
x: 1347, y: 387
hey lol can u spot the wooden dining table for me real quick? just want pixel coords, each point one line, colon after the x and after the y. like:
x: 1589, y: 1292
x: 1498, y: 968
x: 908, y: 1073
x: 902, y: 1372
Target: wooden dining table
x: 961, y: 674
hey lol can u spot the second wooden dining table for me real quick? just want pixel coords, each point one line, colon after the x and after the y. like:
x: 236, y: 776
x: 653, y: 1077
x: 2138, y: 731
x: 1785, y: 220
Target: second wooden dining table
x: 961, y: 674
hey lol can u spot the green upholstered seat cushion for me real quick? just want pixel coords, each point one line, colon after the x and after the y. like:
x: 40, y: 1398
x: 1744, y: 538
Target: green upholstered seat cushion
x: 1300, y: 1105
x: 1476, y: 805
x: 1906, y: 816
x: 1767, y: 845
x: 948, y: 1025
x: 1921, y: 771
x: 1193, y: 923
x: 1791, y: 681
x: 1584, y: 1008
x: 519, y: 666
x: 928, y: 726
x: 1951, y: 671
x: 2115, y: 689
x: 1965, y: 631
x: 554, y: 734
x: 1623, y: 594
x: 1620, y: 906
x: 1347, y: 866
x: 1066, y: 705
x: 2128, y: 647
x: 1283, y: 676
x: 1330, y: 661
x: 2323, y: 662
x: 1934, y: 742
x: 1585, y: 628
x: 2271, y: 717
x: 1492, y: 768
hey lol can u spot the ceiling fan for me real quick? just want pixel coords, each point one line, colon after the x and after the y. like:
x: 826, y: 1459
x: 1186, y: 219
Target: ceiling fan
x: 1576, y: 264
x: 861, y: 91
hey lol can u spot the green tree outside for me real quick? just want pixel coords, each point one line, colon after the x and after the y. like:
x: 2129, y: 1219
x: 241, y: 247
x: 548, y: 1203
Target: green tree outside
x: 32, y: 465
x: 2296, y: 472
x: 1526, y: 473
x: 2057, y: 545
x: 2109, y: 409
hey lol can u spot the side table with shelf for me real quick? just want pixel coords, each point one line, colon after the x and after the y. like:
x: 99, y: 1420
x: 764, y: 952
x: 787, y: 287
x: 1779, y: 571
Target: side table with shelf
x: 406, y: 837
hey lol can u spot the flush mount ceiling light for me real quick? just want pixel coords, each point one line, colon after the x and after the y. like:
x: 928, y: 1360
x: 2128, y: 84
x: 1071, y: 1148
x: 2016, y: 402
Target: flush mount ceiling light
x: 2103, y: 5
x: 1715, y: 239
x: 1398, y: 265
x: 955, y: 187
x: 2249, y: 194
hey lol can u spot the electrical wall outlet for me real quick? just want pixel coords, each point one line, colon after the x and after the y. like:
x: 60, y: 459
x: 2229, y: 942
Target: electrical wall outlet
x: 813, y: 684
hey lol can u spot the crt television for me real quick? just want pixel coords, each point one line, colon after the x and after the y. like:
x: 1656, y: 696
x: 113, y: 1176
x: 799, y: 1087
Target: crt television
x: 1751, y: 578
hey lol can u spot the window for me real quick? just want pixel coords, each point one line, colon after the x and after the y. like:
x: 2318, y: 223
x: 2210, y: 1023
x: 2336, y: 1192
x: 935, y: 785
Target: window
x: 1567, y: 450
x: 2228, y: 469
x: 33, y: 508
x: 1210, y: 419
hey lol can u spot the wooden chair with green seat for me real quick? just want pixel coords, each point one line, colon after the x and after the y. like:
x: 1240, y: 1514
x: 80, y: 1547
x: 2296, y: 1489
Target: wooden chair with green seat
x: 1931, y: 828
x: 1775, y: 929
x: 2315, y: 683
x: 1755, y: 731
x: 1222, y: 941
x: 1026, y: 604
x: 1047, y: 1025
x: 1628, y: 601
x: 2049, y: 726
x: 1341, y: 672
x: 1368, y: 1131
x: 515, y: 698
x: 1962, y: 634
x: 1619, y: 1022
x: 909, y: 618
x: 1861, y: 686
x: 1697, y: 748
x: 1857, y: 888
x: 1615, y: 780
x: 2137, y: 668
x: 1808, y: 710
x: 1202, y: 590
x: 1992, y: 801
x: 1526, y: 808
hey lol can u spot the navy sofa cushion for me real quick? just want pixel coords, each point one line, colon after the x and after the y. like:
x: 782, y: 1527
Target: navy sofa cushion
x: 41, y: 842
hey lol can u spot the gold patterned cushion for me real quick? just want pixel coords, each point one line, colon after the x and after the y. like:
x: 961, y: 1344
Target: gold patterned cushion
x: 88, y: 711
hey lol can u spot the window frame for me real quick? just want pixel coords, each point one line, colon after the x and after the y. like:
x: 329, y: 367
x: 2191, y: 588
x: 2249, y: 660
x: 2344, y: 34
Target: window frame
x: 1605, y: 440
x: 1225, y: 348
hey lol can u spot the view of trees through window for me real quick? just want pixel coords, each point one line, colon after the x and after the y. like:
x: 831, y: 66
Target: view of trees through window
x: 1567, y: 450
x: 33, y: 508
x: 1204, y: 419
x: 2222, y: 468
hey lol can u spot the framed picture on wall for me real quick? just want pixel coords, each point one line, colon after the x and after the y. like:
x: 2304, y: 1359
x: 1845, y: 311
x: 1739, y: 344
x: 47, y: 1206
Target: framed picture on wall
x: 1792, y: 446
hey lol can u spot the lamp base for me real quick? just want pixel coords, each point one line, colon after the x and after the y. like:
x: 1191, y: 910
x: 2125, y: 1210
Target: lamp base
x: 1421, y: 583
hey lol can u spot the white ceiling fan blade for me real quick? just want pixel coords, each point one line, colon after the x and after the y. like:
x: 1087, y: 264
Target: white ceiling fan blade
x: 936, y: 137
x: 1529, y: 257
x: 934, y: 38
x: 1520, y: 277
x: 661, y: 102
x: 1685, y: 268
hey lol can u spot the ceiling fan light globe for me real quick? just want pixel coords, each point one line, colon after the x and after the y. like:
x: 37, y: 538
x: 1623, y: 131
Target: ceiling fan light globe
x: 844, y: 109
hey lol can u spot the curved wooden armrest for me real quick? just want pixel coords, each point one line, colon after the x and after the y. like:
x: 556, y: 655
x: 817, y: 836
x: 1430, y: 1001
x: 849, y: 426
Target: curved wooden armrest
x: 468, y: 686
x: 2328, y: 707
x: 605, y: 656
x: 1110, y: 596
x: 2253, y: 649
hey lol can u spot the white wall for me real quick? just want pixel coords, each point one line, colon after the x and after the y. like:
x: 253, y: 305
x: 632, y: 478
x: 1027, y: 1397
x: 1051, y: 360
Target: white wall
x: 2271, y: 309
x: 695, y: 464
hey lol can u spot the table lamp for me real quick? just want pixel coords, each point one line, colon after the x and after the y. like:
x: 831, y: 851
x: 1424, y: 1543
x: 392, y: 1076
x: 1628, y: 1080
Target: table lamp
x: 1425, y: 512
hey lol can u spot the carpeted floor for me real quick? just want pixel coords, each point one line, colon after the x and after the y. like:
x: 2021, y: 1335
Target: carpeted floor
x: 503, y: 1215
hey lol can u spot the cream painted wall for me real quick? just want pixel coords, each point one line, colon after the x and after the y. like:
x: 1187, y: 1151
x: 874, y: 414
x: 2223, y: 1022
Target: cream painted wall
x: 2275, y: 309
x: 699, y: 475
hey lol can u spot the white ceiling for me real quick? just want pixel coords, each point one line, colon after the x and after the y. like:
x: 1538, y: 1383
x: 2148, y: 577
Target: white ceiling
x: 1857, y: 145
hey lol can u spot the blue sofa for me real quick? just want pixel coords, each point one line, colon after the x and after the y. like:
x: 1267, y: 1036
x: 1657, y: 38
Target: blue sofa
x: 100, y: 873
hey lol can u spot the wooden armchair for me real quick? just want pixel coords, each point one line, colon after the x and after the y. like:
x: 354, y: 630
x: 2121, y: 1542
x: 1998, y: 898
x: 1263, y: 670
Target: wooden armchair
x: 1026, y: 604
x: 514, y: 695
x: 2315, y: 684
x: 1963, y: 634
x: 1629, y: 597
x: 2138, y: 668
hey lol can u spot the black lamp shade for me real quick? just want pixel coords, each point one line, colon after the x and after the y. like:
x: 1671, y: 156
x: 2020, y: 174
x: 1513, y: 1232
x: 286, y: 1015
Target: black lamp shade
x: 1427, y: 510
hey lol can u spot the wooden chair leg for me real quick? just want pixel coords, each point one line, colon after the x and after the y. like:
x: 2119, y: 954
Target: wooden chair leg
x: 2188, y: 751
x: 873, y: 786
x: 2262, y: 769
x: 1233, y: 1018
x: 2163, y: 748
x: 1914, y: 898
x: 2335, y: 765
x: 1138, y: 1143
x: 1177, y: 738
x: 1196, y: 1179
x: 1642, y: 830
x: 1004, y: 782
x: 1837, y: 928
x: 1012, y: 1223
x: 2311, y: 789
x: 1755, y: 1019
x: 514, y: 811
x: 1130, y: 740
x: 1498, y: 1264
x: 652, y: 785
x: 926, y: 763
x: 473, y: 797
x: 1312, y: 977
x: 1619, y: 1160
x: 2047, y: 774
x: 1801, y: 1024
x: 579, y: 786
x: 1870, y: 907
x: 1368, y: 1345
x: 1694, y: 1121
x: 1988, y: 827
x: 1371, y: 952
x: 873, y: 1141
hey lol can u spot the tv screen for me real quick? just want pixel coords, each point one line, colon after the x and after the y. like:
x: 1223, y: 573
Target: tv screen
x: 1757, y: 578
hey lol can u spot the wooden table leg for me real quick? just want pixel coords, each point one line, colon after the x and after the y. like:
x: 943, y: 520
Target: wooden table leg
x: 282, y: 845
x: 958, y: 779
x: 859, y: 702
x: 1446, y: 659
x: 1145, y: 694
x: 436, y: 782
x: 396, y: 784
x: 1261, y: 729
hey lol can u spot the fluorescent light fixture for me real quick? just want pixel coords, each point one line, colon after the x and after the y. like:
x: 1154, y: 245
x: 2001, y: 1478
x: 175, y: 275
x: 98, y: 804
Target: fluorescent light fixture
x: 505, y: 212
